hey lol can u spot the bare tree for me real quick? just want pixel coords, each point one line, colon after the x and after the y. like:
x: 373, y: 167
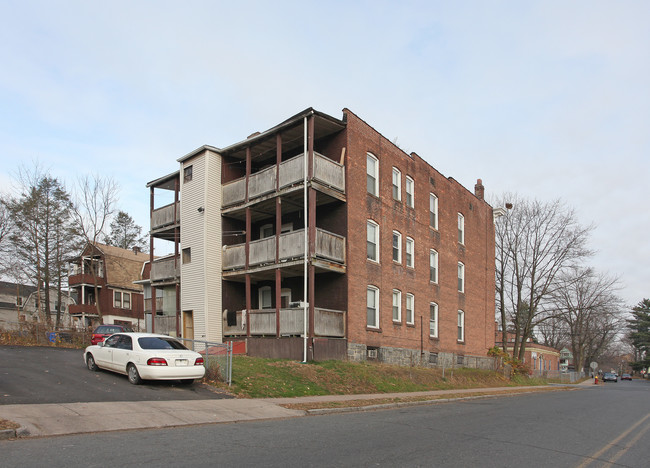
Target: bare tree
x: 95, y: 201
x: 592, y: 313
x: 535, y: 242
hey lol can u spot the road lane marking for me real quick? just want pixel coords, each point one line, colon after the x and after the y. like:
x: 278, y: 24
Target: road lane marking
x: 597, y: 455
x: 628, y: 446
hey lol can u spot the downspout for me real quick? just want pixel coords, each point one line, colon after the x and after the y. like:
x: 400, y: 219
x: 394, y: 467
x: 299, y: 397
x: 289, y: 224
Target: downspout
x: 306, y: 242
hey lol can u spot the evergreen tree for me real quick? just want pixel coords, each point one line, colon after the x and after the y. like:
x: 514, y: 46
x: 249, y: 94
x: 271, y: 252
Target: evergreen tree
x: 125, y: 233
x: 639, y: 334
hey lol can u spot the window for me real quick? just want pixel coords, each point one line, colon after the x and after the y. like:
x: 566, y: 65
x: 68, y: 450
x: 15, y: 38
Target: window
x: 126, y: 300
x: 397, y: 184
x: 433, y: 211
x: 187, y: 255
x: 397, y: 305
x: 121, y: 300
x: 265, y: 297
x: 372, y: 241
x: 410, y: 252
x: 372, y: 307
x: 187, y: 174
x: 410, y: 309
x: 461, y: 325
x: 410, y: 187
x: 461, y: 277
x: 117, y: 299
x: 266, y: 231
x: 461, y: 229
x: 372, y: 171
x: 397, y: 247
x: 433, y: 266
x: 433, y: 320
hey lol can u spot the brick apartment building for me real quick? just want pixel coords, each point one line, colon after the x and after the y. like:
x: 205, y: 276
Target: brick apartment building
x: 397, y: 261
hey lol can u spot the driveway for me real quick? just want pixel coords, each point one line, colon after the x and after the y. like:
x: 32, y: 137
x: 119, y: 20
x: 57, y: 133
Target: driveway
x: 38, y: 375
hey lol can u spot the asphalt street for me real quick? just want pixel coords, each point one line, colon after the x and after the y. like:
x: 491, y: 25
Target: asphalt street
x: 42, y: 375
x: 592, y: 426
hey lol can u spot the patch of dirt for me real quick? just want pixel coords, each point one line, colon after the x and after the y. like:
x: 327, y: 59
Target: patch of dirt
x: 5, y: 424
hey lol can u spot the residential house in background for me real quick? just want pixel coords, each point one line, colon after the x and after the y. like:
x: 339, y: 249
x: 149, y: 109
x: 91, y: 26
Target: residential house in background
x: 542, y: 360
x: 320, y: 239
x: 106, y: 276
x: 18, y: 304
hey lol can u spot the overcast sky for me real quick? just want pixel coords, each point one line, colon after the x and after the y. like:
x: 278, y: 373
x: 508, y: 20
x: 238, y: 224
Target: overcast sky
x: 546, y: 99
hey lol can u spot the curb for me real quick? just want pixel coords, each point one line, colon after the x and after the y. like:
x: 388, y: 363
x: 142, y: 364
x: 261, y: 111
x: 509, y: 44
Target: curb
x: 354, y: 409
x: 6, y: 434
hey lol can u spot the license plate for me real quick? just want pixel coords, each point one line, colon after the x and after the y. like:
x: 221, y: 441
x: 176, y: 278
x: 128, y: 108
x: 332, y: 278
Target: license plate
x: 181, y: 362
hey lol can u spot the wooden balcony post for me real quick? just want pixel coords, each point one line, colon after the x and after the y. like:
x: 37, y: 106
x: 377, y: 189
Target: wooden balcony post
x: 278, y: 300
x: 248, y: 169
x: 248, y: 304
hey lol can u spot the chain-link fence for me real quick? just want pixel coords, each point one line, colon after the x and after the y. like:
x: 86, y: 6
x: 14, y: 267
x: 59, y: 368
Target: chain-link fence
x: 217, y: 358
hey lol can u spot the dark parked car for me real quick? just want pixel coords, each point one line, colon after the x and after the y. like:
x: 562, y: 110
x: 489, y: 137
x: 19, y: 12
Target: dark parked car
x: 609, y: 376
x: 104, y: 331
x: 626, y: 377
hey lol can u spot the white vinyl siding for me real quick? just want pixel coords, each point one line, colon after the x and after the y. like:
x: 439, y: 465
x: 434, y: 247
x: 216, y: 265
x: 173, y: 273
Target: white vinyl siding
x: 202, y: 233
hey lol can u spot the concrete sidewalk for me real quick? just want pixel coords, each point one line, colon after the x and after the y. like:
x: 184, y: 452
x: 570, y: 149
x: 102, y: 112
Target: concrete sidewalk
x: 74, y: 418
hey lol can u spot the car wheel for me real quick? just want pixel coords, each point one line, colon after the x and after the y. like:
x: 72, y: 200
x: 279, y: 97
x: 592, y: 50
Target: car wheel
x: 134, y: 376
x: 90, y: 363
x: 187, y: 381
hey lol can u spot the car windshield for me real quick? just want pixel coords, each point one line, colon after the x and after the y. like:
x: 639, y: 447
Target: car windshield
x: 109, y: 330
x: 159, y: 342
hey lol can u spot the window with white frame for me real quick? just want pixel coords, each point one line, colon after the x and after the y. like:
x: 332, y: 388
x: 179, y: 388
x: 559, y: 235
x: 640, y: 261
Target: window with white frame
x: 372, y: 171
x: 433, y: 266
x: 266, y: 231
x: 410, y: 187
x: 461, y: 325
x: 461, y: 229
x: 433, y: 319
x: 372, y: 241
x: 397, y: 247
x: 265, y: 301
x: 461, y: 277
x: 410, y: 309
x: 121, y: 300
x: 410, y: 252
x: 433, y: 211
x: 397, y: 184
x: 397, y: 305
x: 372, y: 307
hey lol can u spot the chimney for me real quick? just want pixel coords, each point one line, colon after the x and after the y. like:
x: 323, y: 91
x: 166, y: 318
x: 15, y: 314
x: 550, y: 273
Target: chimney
x: 136, y: 250
x: 479, y: 190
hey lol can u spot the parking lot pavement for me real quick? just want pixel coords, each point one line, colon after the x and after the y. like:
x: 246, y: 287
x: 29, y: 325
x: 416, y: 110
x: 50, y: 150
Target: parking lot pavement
x: 48, y: 375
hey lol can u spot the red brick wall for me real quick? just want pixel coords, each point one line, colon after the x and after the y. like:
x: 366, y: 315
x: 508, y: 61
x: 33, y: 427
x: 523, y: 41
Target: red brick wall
x: 477, y: 254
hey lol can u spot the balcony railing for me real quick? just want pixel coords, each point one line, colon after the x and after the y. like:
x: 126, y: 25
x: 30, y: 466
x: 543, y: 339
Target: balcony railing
x: 290, y: 172
x: 164, y: 216
x: 82, y: 309
x: 327, y: 322
x: 147, y: 304
x: 163, y: 269
x: 292, y: 246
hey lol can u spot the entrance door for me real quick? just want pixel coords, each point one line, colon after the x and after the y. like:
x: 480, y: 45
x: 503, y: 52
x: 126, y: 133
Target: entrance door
x: 188, y: 325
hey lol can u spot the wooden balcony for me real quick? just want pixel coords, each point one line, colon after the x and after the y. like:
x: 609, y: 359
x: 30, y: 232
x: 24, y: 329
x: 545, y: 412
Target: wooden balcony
x: 159, y: 304
x: 329, y: 246
x: 85, y: 278
x: 164, y: 216
x: 327, y: 323
x: 82, y: 309
x: 166, y: 270
x: 328, y: 173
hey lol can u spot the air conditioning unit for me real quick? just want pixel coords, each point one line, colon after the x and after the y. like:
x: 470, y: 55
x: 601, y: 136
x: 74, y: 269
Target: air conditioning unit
x: 372, y: 354
x: 297, y: 305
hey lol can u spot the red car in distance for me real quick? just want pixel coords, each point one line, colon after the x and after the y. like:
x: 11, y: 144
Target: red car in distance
x: 104, y: 331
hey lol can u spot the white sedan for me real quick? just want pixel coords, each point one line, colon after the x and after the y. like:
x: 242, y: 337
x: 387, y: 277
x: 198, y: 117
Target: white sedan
x: 145, y: 356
